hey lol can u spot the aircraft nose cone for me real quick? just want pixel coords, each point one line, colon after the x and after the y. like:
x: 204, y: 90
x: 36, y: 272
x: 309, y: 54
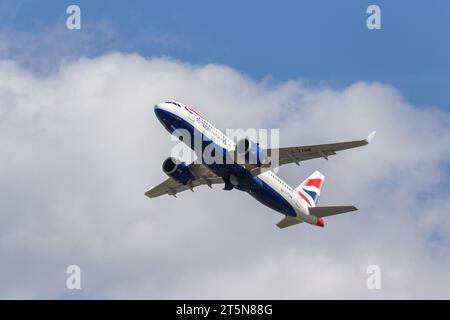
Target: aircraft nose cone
x: 160, y: 108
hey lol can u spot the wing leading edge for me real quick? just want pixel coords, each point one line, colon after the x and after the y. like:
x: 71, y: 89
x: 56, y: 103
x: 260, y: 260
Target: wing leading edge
x: 202, y: 175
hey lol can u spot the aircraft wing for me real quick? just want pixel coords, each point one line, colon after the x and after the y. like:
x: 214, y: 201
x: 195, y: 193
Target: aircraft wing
x: 302, y: 153
x: 202, y: 176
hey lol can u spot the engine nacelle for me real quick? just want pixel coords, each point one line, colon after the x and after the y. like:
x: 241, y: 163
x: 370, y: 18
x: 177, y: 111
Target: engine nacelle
x: 251, y: 152
x: 245, y: 182
x: 177, y: 170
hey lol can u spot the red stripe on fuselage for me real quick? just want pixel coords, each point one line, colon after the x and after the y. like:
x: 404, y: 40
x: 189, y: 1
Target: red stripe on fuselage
x: 314, y: 183
x: 193, y: 111
x: 304, y: 198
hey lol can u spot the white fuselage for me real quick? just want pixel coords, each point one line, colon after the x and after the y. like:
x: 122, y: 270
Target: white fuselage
x: 189, y: 115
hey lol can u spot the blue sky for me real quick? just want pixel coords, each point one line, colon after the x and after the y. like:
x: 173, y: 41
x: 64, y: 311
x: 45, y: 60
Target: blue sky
x: 319, y: 41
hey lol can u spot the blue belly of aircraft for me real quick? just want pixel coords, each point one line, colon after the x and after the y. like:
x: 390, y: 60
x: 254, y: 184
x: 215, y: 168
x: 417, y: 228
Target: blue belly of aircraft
x: 255, y: 186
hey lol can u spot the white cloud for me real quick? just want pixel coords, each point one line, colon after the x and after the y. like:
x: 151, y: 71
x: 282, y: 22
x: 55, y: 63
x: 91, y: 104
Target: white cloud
x: 80, y: 146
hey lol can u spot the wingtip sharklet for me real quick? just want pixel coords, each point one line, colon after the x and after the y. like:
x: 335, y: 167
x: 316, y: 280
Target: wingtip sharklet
x: 370, y: 137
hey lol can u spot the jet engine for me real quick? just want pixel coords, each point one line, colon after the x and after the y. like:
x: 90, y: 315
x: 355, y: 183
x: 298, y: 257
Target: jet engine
x: 244, y: 182
x: 251, y: 152
x: 177, y: 170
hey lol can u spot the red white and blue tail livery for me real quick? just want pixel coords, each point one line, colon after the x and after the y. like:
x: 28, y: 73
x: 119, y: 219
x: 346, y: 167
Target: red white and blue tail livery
x: 236, y: 171
x: 309, y: 190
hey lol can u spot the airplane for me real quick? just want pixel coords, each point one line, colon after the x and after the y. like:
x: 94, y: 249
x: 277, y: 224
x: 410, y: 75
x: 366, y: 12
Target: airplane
x: 254, y: 177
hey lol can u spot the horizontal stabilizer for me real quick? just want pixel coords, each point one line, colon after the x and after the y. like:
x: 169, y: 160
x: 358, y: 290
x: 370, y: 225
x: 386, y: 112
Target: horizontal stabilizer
x: 287, y: 222
x: 320, y: 212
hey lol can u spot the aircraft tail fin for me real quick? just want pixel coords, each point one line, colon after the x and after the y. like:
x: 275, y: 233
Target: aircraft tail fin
x: 309, y: 190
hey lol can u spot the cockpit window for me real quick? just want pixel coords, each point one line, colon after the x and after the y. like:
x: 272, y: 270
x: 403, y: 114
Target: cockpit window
x: 175, y: 103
